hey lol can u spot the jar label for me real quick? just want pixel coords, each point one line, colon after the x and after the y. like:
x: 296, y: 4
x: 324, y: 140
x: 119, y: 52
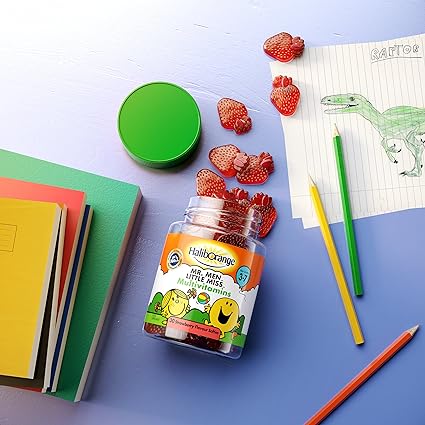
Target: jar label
x: 205, y: 287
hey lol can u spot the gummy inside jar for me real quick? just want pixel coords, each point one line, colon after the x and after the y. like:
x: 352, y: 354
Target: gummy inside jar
x: 196, y: 341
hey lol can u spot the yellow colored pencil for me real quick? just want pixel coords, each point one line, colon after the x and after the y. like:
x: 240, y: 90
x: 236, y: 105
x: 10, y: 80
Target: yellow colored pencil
x: 336, y: 265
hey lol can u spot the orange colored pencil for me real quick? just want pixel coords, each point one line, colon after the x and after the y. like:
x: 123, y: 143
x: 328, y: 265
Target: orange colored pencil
x: 363, y: 376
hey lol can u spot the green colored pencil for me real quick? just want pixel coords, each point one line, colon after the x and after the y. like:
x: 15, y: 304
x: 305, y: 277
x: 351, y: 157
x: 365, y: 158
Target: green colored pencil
x: 348, y: 218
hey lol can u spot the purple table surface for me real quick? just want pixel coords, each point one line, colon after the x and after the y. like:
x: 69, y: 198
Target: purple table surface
x: 65, y: 70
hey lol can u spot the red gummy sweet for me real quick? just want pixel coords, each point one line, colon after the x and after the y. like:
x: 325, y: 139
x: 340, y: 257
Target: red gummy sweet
x: 284, y: 47
x: 233, y: 218
x: 278, y: 81
x: 240, y: 162
x: 202, y: 342
x: 208, y: 183
x: 240, y: 207
x: 297, y: 46
x: 233, y: 239
x: 261, y: 199
x: 286, y: 97
x: 233, y: 115
x: 224, y: 194
x: 263, y: 203
x: 222, y: 158
x: 268, y: 217
x: 240, y: 194
x: 243, y: 125
x: 254, y: 173
x: 266, y: 161
x: 154, y: 329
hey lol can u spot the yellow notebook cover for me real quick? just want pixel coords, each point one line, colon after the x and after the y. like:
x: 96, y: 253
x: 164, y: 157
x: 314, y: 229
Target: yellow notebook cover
x: 28, y: 236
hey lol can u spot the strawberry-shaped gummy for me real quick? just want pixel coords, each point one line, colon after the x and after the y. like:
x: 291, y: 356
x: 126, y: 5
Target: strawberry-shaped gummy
x: 234, y: 115
x: 284, y: 47
x: 297, y: 46
x: 286, y: 97
x: 154, y: 329
x: 222, y: 158
x: 225, y: 195
x: 240, y: 162
x: 229, y: 110
x: 243, y: 125
x: 234, y: 239
x: 209, y: 183
x: 240, y: 194
x: 261, y: 199
x: 264, y: 205
x: 254, y: 173
x: 266, y: 161
x: 278, y: 81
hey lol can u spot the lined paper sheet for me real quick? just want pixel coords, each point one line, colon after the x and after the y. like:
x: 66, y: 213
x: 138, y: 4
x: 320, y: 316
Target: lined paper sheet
x: 384, y: 85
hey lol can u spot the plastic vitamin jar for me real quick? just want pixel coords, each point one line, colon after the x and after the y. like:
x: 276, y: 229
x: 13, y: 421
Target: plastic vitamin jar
x: 208, y: 278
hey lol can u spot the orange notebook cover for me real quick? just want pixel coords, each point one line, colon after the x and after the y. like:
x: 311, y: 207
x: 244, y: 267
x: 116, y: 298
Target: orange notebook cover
x: 74, y: 200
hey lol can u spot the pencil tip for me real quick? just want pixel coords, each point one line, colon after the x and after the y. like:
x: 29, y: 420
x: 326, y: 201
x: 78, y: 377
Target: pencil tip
x: 311, y: 181
x: 413, y: 330
x: 335, y: 131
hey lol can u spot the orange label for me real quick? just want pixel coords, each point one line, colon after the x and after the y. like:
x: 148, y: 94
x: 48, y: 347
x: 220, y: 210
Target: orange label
x: 218, y: 256
x: 205, y: 287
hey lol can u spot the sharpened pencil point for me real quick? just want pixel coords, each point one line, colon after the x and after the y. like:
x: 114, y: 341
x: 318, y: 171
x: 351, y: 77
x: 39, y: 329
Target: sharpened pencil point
x: 311, y: 181
x: 335, y: 131
x: 413, y: 330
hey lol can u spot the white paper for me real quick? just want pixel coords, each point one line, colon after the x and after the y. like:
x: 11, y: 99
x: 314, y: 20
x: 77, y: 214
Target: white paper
x: 387, y: 74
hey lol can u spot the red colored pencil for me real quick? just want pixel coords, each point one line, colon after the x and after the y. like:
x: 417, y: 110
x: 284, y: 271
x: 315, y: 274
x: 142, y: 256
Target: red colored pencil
x: 363, y: 376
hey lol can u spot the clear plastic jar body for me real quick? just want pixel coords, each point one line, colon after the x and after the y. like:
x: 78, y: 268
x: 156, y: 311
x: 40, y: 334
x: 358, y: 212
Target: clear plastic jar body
x: 208, y: 278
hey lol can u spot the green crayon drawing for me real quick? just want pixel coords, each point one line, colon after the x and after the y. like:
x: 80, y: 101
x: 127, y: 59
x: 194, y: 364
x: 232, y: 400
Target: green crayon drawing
x: 406, y: 123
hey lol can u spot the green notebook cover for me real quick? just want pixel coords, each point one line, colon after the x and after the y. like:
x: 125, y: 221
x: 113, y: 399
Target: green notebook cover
x: 115, y: 205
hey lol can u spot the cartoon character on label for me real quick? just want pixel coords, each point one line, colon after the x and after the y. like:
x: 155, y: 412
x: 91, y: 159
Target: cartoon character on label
x: 175, y: 304
x: 224, y: 315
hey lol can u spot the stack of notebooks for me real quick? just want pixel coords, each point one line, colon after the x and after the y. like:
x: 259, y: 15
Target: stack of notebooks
x: 63, y: 233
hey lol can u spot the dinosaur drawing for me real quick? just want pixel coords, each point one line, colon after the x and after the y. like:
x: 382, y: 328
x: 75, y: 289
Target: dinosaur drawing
x: 405, y: 123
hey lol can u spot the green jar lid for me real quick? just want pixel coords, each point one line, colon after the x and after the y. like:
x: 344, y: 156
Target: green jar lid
x: 159, y: 124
